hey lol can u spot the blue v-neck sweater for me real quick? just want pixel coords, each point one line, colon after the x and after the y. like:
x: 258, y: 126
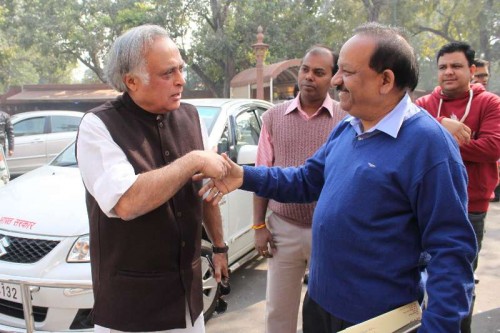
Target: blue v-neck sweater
x: 382, y: 201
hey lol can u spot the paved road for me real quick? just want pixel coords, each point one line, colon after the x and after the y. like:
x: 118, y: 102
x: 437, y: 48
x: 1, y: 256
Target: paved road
x: 246, y: 308
x: 486, y: 317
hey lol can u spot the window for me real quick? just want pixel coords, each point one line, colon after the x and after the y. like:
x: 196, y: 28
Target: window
x: 64, y: 124
x: 32, y: 126
x: 208, y: 115
x: 260, y: 112
x: 66, y: 158
x: 223, y: 144
x: 247, y: 129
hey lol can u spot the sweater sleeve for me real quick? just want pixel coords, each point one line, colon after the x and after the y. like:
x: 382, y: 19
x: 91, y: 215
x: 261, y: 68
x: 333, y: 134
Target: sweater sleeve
x: 9, y: 129
x: 449, y: 238
x: 292, y: 184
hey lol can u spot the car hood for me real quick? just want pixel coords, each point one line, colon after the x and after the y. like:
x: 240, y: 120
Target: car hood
x: 47, y: 201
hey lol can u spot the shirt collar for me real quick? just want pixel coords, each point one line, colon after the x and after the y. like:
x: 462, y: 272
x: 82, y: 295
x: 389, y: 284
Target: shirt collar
x: 392, y: 122
x: 295, y: 105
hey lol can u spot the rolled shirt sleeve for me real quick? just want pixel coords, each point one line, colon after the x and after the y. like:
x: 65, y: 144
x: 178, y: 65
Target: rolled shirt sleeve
x: 105, y: 170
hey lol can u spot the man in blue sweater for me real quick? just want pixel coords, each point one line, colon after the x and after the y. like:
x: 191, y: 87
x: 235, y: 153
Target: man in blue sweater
x: 390, y: 185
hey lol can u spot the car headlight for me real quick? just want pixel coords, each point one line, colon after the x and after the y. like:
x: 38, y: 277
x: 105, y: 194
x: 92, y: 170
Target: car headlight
x: 80, y: 251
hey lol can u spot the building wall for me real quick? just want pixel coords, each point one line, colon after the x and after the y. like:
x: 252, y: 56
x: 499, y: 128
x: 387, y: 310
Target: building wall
x: 83, y: 102
x: 239, y: 92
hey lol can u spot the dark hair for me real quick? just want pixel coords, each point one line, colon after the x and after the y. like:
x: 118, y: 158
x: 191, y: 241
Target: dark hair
x: 463, y: 47
x: 320, y: 48
x: 481, y: 63
x: 296, y: 89
x: 392, y: 51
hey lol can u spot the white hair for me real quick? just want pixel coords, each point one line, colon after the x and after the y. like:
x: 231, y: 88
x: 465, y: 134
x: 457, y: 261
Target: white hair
x: 127, y: 55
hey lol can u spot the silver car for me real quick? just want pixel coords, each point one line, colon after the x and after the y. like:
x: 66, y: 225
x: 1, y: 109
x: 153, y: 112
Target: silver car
x: 40, y: 136
x: 44, y: 229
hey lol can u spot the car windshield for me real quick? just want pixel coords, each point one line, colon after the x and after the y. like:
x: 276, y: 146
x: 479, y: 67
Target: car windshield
x: 66, y: 157
x: 208, y: 114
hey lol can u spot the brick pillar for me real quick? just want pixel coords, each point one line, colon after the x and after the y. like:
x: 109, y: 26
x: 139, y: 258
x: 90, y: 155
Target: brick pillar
x: 260, y: 49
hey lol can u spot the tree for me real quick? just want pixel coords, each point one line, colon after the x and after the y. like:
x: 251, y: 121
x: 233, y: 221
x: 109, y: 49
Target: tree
x: 432, y: 23
x: 214, y: 60
x: 84, y: 30
x: 373, y: 8
x: 475, y: 22
x: 215, y: 36
x: 21, y: 63
x: 440, y: 22
x: 221, y: 46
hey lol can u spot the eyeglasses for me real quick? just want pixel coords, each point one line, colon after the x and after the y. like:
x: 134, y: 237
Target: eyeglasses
x: 481, y: 75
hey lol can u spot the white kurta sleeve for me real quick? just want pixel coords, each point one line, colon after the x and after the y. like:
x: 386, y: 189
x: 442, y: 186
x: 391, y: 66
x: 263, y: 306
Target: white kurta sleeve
x: 105, y: 169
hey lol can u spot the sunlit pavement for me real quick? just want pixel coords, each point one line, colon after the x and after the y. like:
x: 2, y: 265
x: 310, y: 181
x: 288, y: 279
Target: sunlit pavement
x: 486, y: 318
x: 246, y: 302
x: 246, y: 309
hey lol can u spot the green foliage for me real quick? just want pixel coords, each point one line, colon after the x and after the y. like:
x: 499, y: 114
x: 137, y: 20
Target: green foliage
x: 89, y: 77
x: 41, y: 40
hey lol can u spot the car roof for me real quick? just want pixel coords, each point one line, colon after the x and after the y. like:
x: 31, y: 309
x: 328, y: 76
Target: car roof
x: 38, y: 113
x: 220, y: 102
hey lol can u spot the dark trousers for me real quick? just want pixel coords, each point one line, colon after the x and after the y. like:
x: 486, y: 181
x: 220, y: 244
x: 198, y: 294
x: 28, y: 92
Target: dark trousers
x: 477, y: 221
x: 316, y: 320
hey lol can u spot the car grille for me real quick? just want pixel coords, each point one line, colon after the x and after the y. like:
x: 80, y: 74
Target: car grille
x: 15, y: 310
x: 26, y: 250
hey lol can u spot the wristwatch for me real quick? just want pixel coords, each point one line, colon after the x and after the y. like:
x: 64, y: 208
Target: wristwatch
x: 223, y: 249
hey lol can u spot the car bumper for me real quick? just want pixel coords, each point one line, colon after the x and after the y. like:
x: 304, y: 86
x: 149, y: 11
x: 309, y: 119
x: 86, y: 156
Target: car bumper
x: 52, y: 295
x: 46, y: 304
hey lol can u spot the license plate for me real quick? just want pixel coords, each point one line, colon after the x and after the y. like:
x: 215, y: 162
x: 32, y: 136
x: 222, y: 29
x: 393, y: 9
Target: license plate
x: 10, y: 292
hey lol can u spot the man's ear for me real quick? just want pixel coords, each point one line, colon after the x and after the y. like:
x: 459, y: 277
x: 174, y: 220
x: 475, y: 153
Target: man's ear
x: 388, y: 81
x: 472, y: 70
x: 131, y: 81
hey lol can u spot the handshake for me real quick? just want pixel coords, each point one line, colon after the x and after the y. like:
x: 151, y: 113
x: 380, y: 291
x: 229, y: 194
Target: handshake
x: 225, y: 176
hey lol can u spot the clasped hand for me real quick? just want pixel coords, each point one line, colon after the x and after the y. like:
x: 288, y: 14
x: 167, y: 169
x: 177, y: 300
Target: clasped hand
x: 460, y: 131
x: 211, y: 164
x: 216, y: 188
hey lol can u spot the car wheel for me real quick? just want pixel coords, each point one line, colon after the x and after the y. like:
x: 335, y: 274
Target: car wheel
x: 211, y: 292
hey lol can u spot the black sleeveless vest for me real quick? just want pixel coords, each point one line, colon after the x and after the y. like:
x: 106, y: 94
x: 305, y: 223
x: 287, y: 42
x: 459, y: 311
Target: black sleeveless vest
x: 143, y: 270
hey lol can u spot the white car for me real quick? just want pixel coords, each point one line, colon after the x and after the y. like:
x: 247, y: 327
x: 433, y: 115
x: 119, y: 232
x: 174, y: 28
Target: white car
x: 44, y: 229
x: 40, y: 136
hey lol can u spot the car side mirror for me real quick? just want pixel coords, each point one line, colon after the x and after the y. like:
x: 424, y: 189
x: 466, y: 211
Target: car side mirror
x: 247, y: 155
